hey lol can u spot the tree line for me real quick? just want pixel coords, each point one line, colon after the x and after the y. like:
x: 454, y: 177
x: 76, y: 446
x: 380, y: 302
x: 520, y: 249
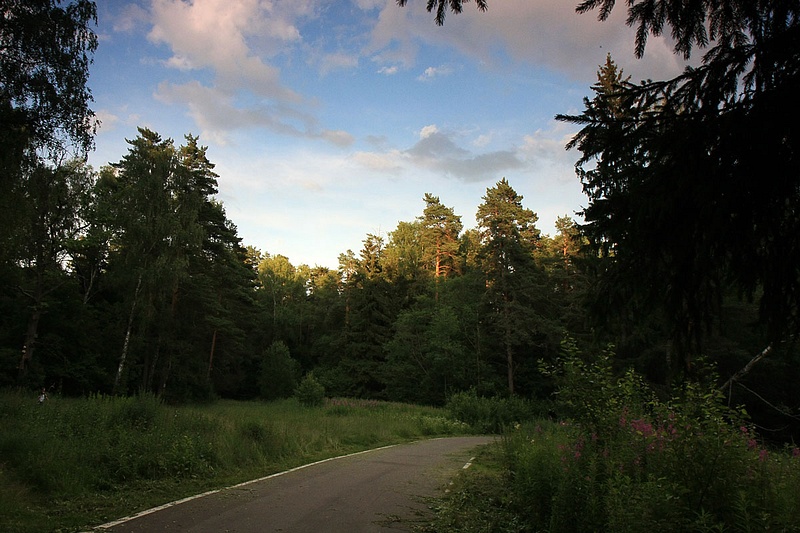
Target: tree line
x: 133, y: 279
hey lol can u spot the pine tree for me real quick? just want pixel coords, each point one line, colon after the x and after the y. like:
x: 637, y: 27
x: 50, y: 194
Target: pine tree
x: 508, y: 239
x: 440, y: 233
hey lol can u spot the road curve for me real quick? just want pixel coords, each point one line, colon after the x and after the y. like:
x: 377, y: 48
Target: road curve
x: 380, y: 490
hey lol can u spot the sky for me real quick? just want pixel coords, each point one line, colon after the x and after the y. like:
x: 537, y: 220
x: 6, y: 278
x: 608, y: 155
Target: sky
x: 328, y: 120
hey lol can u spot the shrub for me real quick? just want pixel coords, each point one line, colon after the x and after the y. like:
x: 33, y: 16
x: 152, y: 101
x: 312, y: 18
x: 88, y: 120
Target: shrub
x: 279, y: 372
x: 488, y: 415
x: 310, y: 392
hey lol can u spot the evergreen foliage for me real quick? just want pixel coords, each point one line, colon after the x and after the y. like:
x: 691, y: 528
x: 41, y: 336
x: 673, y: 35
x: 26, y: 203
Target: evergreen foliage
x: 279, y: 372
x: 693, y: 181
x: 310, y: 392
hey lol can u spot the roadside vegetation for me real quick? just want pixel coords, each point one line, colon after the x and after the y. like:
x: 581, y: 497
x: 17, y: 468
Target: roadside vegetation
x: 623, y: 459
x: 71, y: 463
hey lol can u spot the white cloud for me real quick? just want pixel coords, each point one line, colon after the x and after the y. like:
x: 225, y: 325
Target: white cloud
x: 388, y: 71
x: 338, y: 61
x: 367, y: 5
x: 434, y: 144
x: 131, y: 16
x: 482, y: 140
x: 435, y: 72
x: 179, y: 63
x: 548, y: 146
x: 218, y: 113
x: 389, y: 162
x: 235, y: 42
x: 216, y: 35
x: 427, y: 131
x: 107, y: 121
x: 337, y: 137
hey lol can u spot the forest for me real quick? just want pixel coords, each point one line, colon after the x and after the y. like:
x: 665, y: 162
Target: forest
x: 132, y: 279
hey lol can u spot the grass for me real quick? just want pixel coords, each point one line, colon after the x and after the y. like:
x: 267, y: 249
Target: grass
x: 70, y: 464
x: 478, y: 501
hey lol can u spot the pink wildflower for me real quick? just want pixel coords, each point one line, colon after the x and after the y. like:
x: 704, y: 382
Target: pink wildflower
x: 642, y: 427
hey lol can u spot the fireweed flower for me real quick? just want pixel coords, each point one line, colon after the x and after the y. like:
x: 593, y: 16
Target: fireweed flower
x: 642, y: 427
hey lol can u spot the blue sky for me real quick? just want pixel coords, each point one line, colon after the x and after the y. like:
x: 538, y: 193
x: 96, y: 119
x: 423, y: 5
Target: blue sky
x: 330, y: 119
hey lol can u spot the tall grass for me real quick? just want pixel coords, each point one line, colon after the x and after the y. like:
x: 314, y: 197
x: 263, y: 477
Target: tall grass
x: 71, y: 463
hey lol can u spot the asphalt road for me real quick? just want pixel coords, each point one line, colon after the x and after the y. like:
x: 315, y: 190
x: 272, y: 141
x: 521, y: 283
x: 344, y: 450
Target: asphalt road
x: 382, y: 490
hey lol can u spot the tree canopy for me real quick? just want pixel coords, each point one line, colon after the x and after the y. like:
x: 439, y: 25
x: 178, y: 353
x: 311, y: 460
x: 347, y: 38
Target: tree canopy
x: 45, y: 53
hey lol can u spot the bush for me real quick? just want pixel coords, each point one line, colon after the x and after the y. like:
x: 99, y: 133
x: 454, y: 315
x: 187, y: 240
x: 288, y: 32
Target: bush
x: 310, y: 392
x: 279, y: 372
x: 488, y: 415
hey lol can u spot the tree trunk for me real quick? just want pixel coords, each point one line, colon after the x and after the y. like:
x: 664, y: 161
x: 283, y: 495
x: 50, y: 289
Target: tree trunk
x: 124, y: 355
x: 211, y: 355
x: 32, y: 331
x: 31, y: 334
x: 747, y: 368
x: 509, y: 351
x: 163, y: 387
